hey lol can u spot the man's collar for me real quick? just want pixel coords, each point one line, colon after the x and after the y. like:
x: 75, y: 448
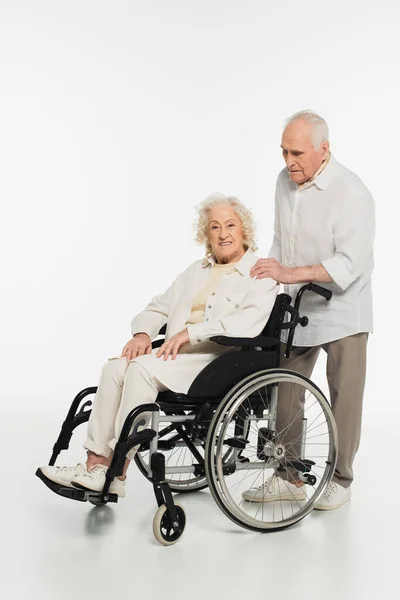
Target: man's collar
x: 244, y: 265
x: 321, y: 178
x: 325, y: 177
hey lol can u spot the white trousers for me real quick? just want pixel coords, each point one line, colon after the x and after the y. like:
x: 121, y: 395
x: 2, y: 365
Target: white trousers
x: 122, y: 387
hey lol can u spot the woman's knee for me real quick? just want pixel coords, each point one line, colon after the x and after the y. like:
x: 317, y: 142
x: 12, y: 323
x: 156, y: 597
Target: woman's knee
x: 139, y: 385
x: 114, y: 369
x: 135, y: 372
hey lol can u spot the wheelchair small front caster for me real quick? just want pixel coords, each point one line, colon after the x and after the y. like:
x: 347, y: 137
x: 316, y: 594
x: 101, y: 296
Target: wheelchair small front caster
x: 163, y: 530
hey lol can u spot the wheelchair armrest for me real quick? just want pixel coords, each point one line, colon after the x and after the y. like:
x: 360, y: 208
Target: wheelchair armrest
x: 260, y: 341
x: 157, y: 343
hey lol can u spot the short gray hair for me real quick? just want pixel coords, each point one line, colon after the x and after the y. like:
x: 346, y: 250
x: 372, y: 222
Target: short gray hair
x: 240, y: 209
x: 320, y: 131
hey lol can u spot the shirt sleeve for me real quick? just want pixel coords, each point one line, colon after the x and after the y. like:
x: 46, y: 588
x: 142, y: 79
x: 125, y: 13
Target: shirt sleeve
x: 156, y: 313
x: 353, y: 234
x: 248, y: 320
x: 276, y: 248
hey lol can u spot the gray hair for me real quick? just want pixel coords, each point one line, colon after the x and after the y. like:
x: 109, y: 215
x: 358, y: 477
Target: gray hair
x: 320, y: 131
x: 240, y: 209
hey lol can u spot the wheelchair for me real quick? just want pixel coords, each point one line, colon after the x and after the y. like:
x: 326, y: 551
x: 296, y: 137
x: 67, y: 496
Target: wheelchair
x: 232, y: 432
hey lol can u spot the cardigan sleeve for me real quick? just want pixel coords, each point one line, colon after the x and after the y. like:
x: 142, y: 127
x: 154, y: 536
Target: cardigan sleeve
x: 155, y: 315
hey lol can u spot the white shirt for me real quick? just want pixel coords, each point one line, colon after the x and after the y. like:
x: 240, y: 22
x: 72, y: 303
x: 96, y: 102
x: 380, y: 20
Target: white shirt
x: 332, y: 222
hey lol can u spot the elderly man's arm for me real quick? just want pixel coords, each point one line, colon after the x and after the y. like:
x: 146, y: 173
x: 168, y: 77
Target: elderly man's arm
x: 247, y: 321
x: 353, y: 234
x: 270, y: 267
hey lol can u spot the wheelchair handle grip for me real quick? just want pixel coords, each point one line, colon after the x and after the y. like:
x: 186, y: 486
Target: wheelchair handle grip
x: 321, y: 291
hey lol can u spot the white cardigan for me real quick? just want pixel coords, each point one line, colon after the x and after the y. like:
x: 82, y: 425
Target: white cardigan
x: 239, y: 307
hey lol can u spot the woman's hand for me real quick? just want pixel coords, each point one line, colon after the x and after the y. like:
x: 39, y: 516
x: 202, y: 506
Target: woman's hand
x: 139, y: 345
x: 172, y: 346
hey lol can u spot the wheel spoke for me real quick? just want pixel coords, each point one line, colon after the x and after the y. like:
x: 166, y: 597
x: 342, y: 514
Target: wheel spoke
x: 244, y: 413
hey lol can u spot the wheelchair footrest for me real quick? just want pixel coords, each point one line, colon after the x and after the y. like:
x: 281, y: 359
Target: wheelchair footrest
x: 72, y: 493
x: 303, y: 466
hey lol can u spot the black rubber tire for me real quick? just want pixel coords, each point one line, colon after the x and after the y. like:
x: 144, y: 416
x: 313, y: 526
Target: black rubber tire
x: 210, y: 455
x: 160, y: 521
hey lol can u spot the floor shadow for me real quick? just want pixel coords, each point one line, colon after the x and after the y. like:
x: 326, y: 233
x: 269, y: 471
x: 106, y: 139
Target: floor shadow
x: 99, y: 520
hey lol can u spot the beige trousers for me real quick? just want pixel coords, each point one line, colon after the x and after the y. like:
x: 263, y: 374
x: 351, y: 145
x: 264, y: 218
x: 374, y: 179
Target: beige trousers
x: 345, y: 370
x: 122, y: 387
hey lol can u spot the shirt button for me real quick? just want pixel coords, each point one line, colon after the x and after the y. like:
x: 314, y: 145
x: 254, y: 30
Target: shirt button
x: 207, y: 320
x: 236, y: 305
x: 199, y: 340
x: 213, y: 294
x: 209, y: 306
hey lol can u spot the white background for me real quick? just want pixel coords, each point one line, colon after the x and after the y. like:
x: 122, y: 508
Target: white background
x: 117, y: 118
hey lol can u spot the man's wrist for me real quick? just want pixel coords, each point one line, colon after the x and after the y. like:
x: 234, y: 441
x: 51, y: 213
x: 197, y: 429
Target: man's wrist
x: 306, y: 274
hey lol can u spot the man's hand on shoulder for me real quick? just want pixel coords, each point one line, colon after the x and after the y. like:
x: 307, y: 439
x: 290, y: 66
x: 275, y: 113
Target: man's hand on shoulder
x: 270, y: 267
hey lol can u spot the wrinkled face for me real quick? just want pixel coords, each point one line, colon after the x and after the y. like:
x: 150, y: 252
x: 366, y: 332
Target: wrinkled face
x: 302, y: 159
x: 225, y: 234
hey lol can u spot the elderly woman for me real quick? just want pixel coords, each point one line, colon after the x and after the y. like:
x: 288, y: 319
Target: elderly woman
x: 213, y: 296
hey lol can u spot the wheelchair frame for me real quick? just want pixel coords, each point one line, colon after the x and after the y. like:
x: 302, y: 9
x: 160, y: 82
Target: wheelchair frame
x: 203, y: 403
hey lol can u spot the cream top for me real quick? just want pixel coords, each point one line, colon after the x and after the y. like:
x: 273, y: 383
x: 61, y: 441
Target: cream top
x: 199, y: 302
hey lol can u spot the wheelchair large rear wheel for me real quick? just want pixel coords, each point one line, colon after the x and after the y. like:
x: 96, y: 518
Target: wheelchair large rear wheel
x: 289, y: 437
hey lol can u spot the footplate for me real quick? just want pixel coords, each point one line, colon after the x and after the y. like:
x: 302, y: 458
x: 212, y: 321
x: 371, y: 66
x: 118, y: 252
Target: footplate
x: 302, y: 466
x: 74, y: 493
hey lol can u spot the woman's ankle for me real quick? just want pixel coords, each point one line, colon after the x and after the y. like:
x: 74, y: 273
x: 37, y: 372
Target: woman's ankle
x: 96, y: 459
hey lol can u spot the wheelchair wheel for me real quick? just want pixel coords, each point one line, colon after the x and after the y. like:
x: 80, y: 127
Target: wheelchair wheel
x: 289, y: 435
x: 179, y: 455
x: 162, y: 526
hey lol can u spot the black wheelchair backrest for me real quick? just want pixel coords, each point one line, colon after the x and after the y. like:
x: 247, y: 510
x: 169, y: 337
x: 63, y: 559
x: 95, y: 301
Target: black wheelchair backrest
x: 274, y: 324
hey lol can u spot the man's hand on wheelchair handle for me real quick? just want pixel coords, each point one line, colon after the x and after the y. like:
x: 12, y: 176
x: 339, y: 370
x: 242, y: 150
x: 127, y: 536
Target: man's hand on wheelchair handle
x: 172, y: 346
x: 140, y: 344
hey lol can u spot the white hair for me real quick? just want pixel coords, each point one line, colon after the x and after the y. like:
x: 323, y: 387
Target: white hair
x: 320, y: 131
x: 240, y: 209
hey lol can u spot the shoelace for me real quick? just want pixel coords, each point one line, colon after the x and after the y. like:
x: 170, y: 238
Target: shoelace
x: 331, y: 489
x: 267, y: 485
x: 75, y: 468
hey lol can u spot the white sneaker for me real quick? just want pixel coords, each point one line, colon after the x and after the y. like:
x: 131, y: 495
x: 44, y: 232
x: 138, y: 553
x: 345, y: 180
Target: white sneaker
x: 95, y: 479
x: 275, y: 488
x: 334, y: 496
x: 63, y: 475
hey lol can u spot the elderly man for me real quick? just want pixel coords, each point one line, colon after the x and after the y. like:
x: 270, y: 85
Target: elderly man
x: 324, y: 231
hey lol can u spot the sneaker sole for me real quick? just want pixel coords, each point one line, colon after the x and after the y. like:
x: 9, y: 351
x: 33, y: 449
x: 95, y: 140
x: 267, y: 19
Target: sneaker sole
x: 55, y: 480
x: 326, y: 507
x: 285, y: 498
